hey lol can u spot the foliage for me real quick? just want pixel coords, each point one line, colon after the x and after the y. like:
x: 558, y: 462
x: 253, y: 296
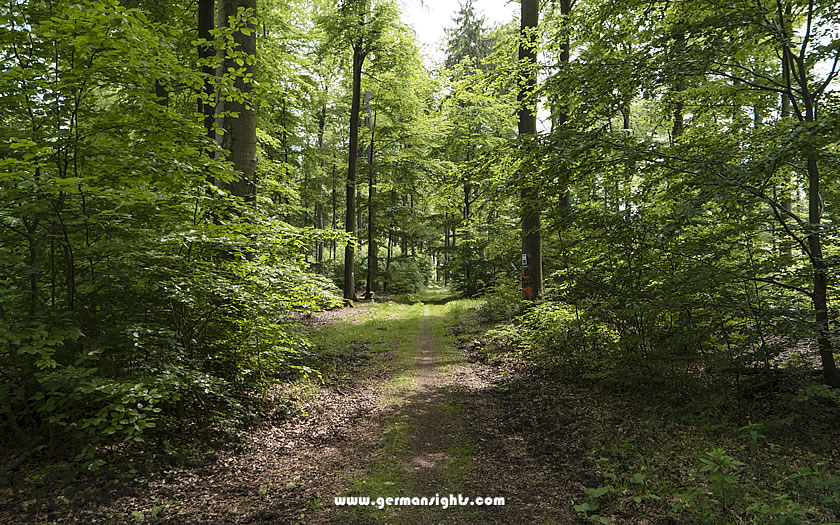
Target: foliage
x: 133, y: 291
x: 677, y: 251
x: 502, y: 301
x: 408, y: 275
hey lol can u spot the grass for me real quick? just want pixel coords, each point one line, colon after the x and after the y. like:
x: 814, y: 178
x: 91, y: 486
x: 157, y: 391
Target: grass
x: 461, y: 463
x: 379, y: 328
x: 388, y: 475
x: 431, y: 295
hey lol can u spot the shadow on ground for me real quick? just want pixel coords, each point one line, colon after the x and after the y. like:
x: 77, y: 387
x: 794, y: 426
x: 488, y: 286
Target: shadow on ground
x: 457, y: 427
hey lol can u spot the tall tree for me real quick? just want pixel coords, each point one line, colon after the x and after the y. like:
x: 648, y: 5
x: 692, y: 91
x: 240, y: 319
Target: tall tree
x: 359, y: 25
x: 373, y: 249
x: 359, y: 54
x: 239, y: 119
x: 468, y: 38
x: 206, y: 24
x: 532, y: 277
x: 472, y: 127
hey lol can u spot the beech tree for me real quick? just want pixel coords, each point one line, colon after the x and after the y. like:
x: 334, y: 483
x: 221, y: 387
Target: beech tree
x: 532, y: 271
x: 239, y: 114
x: 358, y: 25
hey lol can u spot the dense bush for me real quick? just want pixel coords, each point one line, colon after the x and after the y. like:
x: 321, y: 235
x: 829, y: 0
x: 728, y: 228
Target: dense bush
x: 635, y: 298
x: 132, y: 288
x: 555, y: 331
x: 503, y: 300
x: 408, y: 274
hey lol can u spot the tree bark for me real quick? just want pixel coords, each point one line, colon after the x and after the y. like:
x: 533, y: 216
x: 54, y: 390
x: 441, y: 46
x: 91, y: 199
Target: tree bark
x: 207, y: 105
x: 629, y: 168
x: 560, y: 115
x: 531, y: 222
x: 404, y: 238
x: 787, y: 203
x: 373, y: 261
x: 334, y: 223
x: 241, y: 132
x: 350, y: 215
x: 388, y: 256
x: 411, y: 200
x: 679, y: 110
x: 446, y: 255
x: 814, y: 234
x: 319, y: 213
x: 160, y: 17
x: 820, y: 274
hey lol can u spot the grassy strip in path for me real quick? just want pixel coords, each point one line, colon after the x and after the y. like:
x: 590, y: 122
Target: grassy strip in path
x: 425, y: 450
x: 382, y: 332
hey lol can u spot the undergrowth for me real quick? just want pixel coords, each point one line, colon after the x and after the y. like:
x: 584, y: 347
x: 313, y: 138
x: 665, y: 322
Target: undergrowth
x: 702, y: 440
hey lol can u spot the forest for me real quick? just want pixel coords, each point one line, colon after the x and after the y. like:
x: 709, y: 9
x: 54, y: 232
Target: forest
x: 259, y: 256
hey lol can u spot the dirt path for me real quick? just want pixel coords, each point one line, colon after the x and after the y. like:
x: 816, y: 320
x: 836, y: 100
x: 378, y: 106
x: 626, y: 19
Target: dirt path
x: 430, y: 423
x: 453, y: 435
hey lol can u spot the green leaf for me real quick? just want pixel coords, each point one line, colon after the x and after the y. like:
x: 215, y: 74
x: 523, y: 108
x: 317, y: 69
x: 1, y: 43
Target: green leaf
x: 597, y: 492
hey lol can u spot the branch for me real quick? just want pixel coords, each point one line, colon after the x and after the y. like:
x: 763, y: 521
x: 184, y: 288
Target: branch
x: 807, y: 37
x: 831, y: 76
x: 761, y: 195
x: 787, y: 56
x: 783, y: 285
x: 775, y: 207
x: 763, y: 77
x: 740, y: 276
x: 753, y: 84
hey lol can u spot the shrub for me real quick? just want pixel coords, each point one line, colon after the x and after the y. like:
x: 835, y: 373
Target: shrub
x: 554, y: 331
x: 132, y: 287
x: 503, y: 301
x: 408, y: 275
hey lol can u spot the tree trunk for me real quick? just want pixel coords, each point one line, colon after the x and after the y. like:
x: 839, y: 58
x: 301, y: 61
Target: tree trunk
x: 388, y: 256
x: 629, y: 167
x: 333, y: 249
x: 560, y: 115
x: 160, y: 17
x: 350, y: 215
x: 319, y: 224
x: 446, y: 255
x: 404, y: 239
x: 469, y: 288
x: 207, y: 103
x: 411, y: 195
x: 787, y: 203
x: 679, y: 87
x: 453, y: 245
x: 797, y: 68
x: 319, y: 213
x: 373, y: 262
x: 240, y: 136
x: 820, y: 274
x: 284, y: 142
x: 206, y: 23
x: 531, y: 223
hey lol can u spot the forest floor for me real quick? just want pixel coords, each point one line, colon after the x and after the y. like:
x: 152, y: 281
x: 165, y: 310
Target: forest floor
x: 410, y: 404
x: 404, y: 412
